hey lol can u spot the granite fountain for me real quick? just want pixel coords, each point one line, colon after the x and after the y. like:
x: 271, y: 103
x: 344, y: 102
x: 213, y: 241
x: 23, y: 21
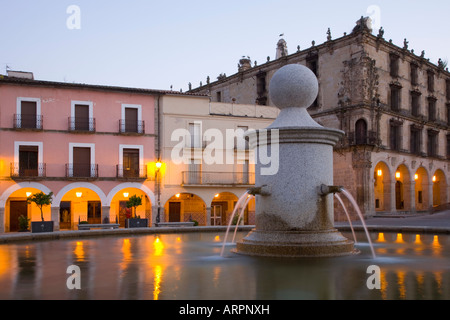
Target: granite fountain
x: 294, y: 205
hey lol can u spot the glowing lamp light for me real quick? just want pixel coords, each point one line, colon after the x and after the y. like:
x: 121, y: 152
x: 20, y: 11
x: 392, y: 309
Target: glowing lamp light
x: 434, y: 179
x: 379, y: 172
x: 158, y: 165
x: 397, y: 175
x: 126, y: 194
x: 216, y: 196
x: 177, y: 195
x: 416, y: 177
x: 29, y: 194
x: 79, y: 194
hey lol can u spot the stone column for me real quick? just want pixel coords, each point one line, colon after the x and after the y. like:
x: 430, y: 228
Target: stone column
x: 413, y: 196
x: 393, y: 208
x: 55, y: 218
x: 364, y: 187
x: 430, y: 197
x: 105, y: 214
x: 208, y: 216
x: 2, y: 219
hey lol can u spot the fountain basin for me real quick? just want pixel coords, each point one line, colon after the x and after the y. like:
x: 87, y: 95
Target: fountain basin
x: 296, y: 244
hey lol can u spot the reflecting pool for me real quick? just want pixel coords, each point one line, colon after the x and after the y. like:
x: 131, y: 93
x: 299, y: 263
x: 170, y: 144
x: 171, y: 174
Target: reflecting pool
x: 189, y: 267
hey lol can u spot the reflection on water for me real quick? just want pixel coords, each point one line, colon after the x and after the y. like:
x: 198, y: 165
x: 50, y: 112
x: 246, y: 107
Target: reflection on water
x: 189, y: 266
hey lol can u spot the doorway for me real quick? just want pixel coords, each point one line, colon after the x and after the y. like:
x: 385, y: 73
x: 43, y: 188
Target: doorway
x: 399, y: 203
x: 94, y: 212
x: 174, y: 211
x: 16, y: 209
x: 216, y: 215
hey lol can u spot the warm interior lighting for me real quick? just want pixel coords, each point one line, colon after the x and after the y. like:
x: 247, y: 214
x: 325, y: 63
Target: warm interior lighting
x: 29, y: 194
x: 158, y: 165
x: 79, y: 194
x: 416, y: 177
x: 434, y: 179
x: 397, y: 175
x: 177, y: 195
x: 216, y: 196
x: 379, y: 172
x: 126, y: 194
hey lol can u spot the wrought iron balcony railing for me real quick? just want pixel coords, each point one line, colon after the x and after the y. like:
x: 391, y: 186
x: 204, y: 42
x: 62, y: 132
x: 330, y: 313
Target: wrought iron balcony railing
x: 81, y: 124
x: 370, y: 138
x: 28, y: 172
x: 217, y: 178
x: 131, y: 126
x: 81, y: 170
x: 122, y: 172
x: 26, y: 121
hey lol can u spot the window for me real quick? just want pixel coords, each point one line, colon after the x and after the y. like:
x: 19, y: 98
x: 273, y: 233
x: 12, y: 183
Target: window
x: 131, y: 159
x: 361, y: 132
x: 430, y: 81
x: 82, y: 161
x: 28, y: 160
x: 219, y: 96
x: 394, y: 65
x: 131, y: 121
x: 432, y: 143
x: 448, y: 146
x: 195, y: 135
x: 448, y: 114
x: 447, y: 89
x: 313, y: 64
x: 395, y: 97
x: 81, y: 116
x: 414, y: 74
x: 261, y: 90
x: 415, y: 103
x: 415, y: 140
x: 28, y: 114
x: 395, y: 135
x: 431, y: 109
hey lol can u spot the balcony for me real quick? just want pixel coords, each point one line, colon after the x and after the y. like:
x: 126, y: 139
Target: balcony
x: 36, y: 172
x: 82, y: 171
x: 131, y: 173
x: 217, y: 178
x: 81, y: 124
x: 368, y: 139
x: 131, y: 127
x: 30, y: 122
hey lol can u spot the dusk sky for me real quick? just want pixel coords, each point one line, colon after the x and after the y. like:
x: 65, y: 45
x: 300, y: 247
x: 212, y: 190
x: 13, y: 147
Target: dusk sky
x: 156, y: 44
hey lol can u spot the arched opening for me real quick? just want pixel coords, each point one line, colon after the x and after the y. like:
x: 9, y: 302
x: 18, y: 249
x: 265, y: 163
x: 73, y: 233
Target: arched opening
x: 402, y: 188
x: 439, y: 188
x: 119, y: 211
x: 183, y: 207
x: 79, y: 205
x: 361, y: 132
x: 17, y: 206
x: 382, y: 187
x: 421, y: 189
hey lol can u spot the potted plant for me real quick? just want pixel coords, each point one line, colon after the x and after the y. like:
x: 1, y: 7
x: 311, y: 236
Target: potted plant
x: 135, y: 221
x: 41, y: 199
x: 23, y: 223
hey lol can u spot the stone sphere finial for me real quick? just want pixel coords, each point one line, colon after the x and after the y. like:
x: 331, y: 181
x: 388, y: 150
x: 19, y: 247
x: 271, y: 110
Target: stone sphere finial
x: 293, y: 85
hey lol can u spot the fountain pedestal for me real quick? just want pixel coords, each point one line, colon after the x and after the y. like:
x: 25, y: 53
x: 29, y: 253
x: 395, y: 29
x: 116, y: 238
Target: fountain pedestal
x: 293, y: 217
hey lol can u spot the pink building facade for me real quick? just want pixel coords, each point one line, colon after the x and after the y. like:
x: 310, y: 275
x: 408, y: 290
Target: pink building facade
x: 92, y: 146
